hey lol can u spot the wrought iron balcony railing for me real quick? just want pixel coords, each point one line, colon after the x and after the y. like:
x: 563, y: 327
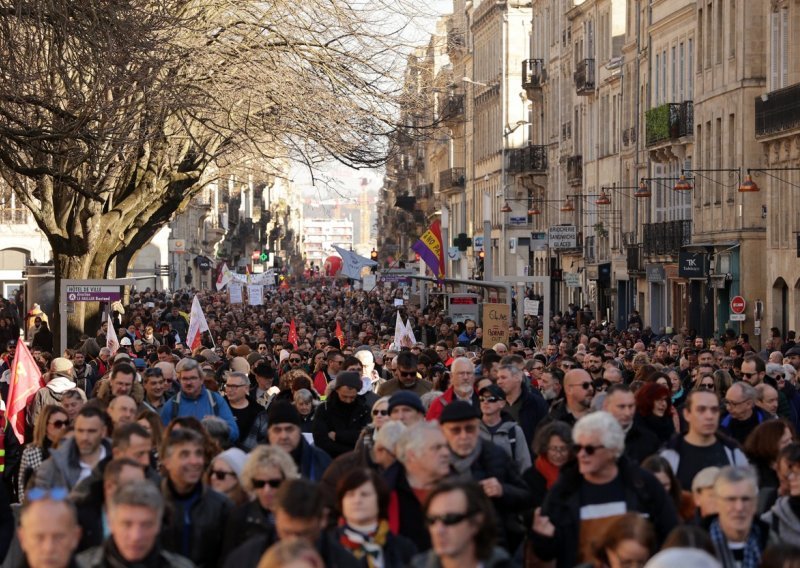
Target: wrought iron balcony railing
x: 575, y: 170
x: 452, y: 178
x: 778, y: 111
x: 452, y: 109
x: 533, y: 74
x: 669, y: 122
x: 584, y: 77
x: 529, y: 159
x: 666, y: 238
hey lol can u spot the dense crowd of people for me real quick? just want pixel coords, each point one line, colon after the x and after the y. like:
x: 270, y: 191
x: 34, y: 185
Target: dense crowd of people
x: 299, y: 434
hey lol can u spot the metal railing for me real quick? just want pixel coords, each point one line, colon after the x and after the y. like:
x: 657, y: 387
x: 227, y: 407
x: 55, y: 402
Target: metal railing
x: 454, y: 177
x: 529, y: 159
x: 778, y: 111
x: 666, y: 238
x: 533, y: 73
x: 635, y: 262
x: 453, y: 108
x: 669, y: 121
x: 584, y: 77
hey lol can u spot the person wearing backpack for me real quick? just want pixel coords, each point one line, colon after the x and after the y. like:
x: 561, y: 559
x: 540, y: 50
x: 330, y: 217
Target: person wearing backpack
x: 498, y: 427
x: 194, y: 399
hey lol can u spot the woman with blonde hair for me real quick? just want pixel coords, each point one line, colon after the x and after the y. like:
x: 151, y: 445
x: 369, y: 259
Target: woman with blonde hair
x: 266, y: 468
x: 50, y: 428
x: 291, y: 554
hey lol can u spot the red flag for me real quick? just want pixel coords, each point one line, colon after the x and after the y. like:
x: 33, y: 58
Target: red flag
x: 26, y: 380
x: 197, y: 325
x: 339, y: 334
x: 293, y: 334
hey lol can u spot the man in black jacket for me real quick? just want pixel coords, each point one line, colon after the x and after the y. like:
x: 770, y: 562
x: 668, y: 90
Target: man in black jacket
x: 339, y: 420
x: 284, y: 431
x: 196, y: 513
x: 298, y: 515
x: 639, y: 442
x: 480, y: 460
x: 526, y: 406
x: 595, y: 491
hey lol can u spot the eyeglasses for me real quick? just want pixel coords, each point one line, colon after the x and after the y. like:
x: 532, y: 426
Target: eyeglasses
x: 589, y: 449
x: 380, y: 413
x: 748, y: 374
x: 567, y: 366
x: 456, y: 430
x: 734, y: 403
x: 558, y: 449
x: 707, y: 386
x: 261, y: 483
x: 220, y: 475
x: 535, y: 368
x: 55, y: 494
x: 448, y: 519
x: 295, y: 360
x: 585, y: 386
x: 230, y: 386
x: 59, y: 424
x: 490, y: 399
x: 407, y: 373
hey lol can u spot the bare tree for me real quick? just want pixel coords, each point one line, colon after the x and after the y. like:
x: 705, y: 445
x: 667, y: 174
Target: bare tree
x: 111, y: 111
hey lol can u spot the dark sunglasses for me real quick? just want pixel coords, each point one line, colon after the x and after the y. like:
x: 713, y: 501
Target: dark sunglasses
x: 707, y: 386
x: 380, y: 413
x: 295, y: 360
x: 490, y: 399
x: 749, y: 374
x: 585, y: 386
x: 448, y: 519
x: 219, y: 474
x: 408, y: 373
x: 261, y: 483
x: 567, y: 366
x: 59, y: 423
x: 590, y: 450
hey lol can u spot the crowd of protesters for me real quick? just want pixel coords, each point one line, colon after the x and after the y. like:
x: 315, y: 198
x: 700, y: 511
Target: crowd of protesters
x: 299, y: 434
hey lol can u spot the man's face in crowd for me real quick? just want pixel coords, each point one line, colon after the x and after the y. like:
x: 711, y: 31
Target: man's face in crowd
x: 550, y: 350
x: 138, y: 449
x: 335, y: 364
x: 89, y: 433
x: 405, y: 414
x: 407, y: 376
x: 769, y: 401
x: 134, y: 530
x: 750, y: 374
x: 509, y: 381
x: 449, y: 541
x: 78, y: 359
x: 622, y: 406
x: 462, y: 437
x: 705, y: 359
x: 698, y: 342
x: 434, y: 458
x: 462, y: 378
x: 191, y: 382
x: 661, y: 352
x: 155, y: 385
x: 739, y: 407
x: 592, y: 363
x: 121, y: 384
x: 549, y: 386
x: 578, y: 388
x: 703, y: 413
x: 185, y: 464
x: 285, y: 435
x: 122, y: 410
x: 736, y: 503
x: 48, y: 534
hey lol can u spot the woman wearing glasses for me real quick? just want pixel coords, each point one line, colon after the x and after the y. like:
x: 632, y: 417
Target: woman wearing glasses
x: 225, y: 475
x: 264, y: 471
x: 51, y: 426
x: 553, y: 448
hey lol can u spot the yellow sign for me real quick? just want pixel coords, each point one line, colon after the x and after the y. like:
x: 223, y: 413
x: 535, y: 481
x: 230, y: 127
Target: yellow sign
x: 496, y: 319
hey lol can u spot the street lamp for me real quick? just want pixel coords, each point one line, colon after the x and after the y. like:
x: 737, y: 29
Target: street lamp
x: 749, y: 186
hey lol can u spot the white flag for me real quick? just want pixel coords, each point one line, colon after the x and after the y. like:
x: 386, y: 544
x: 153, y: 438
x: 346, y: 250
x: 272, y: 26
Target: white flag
x: 112, y: 341
x: 225, y: 276
x: 403, y: 336
x: 353, y: 263
x: 197, y: 325
x: 410, y: 333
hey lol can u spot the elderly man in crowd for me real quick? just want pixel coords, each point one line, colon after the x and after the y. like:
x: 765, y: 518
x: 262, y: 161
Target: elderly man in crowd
x: 462, y: 387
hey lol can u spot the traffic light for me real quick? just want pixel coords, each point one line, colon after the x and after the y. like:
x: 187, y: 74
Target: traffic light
x: 481, y: 257
x: 264, y: 256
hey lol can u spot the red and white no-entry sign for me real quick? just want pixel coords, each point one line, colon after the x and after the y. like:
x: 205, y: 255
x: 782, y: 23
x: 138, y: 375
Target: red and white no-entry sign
x: 738, y: 305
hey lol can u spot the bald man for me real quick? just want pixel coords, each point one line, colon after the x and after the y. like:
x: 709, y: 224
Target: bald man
x: 578, y: 394
x: 122, y: 410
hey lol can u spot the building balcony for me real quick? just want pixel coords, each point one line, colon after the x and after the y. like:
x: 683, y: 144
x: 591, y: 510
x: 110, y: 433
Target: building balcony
x: 584, y: 77
x: 454, y: 178
x: 634, y: 259
x: 669, y: 122
x: 575, y: 170
x: 529, y: 160
x: 667, y: 238
x: 778, y: 111
x: 629, y: 136
x: 455, y: 39
x: 424, y: 191
x: 452, y: 109
x: 533, y: 75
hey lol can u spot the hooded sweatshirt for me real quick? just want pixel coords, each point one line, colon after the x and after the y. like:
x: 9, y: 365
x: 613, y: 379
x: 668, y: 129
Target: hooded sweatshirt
x: 784, y: 519
x: 50, y: 394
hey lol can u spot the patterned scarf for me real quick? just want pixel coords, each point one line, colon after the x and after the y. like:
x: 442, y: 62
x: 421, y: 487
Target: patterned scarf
x: 369, y: 546
x: 752, y: 550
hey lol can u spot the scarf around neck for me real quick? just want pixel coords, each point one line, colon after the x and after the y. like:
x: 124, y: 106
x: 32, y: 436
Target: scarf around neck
x: 548, y: 470
x: 365, y: 545
x: 752, y: 550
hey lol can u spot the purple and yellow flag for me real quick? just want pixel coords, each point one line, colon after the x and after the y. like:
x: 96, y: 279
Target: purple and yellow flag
x: 431, y: 249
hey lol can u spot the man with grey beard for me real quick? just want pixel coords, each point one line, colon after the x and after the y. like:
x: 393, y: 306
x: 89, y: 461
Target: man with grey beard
x: 550, y: 385
x: 462, y: 387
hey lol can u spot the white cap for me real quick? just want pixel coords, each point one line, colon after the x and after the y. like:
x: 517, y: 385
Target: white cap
x: 125, y: 341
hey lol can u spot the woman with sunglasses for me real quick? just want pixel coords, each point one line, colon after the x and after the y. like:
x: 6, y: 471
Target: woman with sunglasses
x: 363, y: 529
x: 264, y: 470
x: 51, y: 426
x: 225, y: 475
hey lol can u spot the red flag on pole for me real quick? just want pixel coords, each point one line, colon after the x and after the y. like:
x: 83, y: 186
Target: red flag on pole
x: 339, y: 334
x: 26, y: 380
x: 197, y: 325
x: 293, y: 334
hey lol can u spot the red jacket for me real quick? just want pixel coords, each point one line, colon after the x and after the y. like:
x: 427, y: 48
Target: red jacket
x: 438, y: 404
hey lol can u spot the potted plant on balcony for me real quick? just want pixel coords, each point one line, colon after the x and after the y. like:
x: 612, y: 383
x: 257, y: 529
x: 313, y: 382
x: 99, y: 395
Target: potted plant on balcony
x: 600, y: 230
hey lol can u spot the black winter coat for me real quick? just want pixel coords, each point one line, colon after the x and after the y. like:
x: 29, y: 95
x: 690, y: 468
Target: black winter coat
x: 346, y: 420
x: 249, y: 554
x: 643, y: 494
x: 641, y: 443
x: 245, y: 522
x: 533, y: 411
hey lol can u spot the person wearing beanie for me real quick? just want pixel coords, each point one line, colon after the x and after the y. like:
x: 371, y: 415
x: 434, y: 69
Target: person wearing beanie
x: 284, y: 432
x: 339, y: 420
x: 481, y: 460
x: 406, y: 407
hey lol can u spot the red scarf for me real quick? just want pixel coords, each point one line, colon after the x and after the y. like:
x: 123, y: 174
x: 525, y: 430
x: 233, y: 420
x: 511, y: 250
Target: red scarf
x: 548, y: 470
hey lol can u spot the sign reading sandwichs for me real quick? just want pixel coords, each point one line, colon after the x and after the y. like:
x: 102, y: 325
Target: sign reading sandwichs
x: 563, y: 237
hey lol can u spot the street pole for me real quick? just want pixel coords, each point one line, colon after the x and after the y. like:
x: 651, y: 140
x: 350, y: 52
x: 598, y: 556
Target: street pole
x: 487, y: 236
x: 445, y: 220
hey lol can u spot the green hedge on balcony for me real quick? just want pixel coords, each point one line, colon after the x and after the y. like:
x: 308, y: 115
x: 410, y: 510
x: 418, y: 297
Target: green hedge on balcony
x: 657, y: 124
